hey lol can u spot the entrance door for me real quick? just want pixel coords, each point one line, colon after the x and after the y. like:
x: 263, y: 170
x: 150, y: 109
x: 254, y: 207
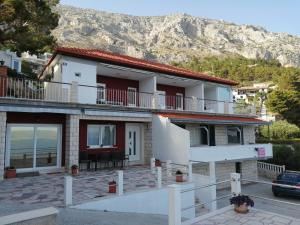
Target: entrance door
x: 31, y: 147
x: 161, y: 99
x: 133, y: 141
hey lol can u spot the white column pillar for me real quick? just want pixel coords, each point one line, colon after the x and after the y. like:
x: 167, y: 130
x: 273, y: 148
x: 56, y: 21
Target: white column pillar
x: 169, y: 168
x: 159, y: 178
x: 68, y: 190
x: 213, y: 189
x: 2, y: 143
x: 190, y: 172
x: 235, y: 184
x: 152, y: 165
x: 120, y: 182
x: 174, y: 215
x: 74, y: 92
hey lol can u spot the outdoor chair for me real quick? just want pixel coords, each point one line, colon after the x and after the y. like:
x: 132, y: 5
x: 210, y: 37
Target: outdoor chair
x: 84, y: 159
x: 118, y: 157
x: 105, y: 158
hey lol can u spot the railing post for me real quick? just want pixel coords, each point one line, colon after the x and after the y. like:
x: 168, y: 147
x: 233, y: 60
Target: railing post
x: 120, y: 182
x: 152, y: 165
x: 174, y: 215
x: 169, y: 168
x: 283, y: 168
x: 235, y: 184
x: 68, y: 190
x: 190, y: 172
x: 159, y: 178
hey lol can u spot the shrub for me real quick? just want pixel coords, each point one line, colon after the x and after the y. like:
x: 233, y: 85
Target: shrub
x: 280, y: 130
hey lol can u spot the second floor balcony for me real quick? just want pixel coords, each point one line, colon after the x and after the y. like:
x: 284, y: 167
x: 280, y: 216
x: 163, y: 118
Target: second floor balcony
x: 26, y: 89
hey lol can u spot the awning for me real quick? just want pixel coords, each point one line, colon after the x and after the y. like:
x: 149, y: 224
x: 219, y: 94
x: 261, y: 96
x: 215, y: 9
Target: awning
x: 212, y: 119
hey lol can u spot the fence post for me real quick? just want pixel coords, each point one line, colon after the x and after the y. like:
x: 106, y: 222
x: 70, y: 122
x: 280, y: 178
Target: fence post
x: 68, y: 190
x: 213, y: 189
x: 169, y: 168
x: 283, y: 168
x: 174, y: 215
x: 152, y: 165
x: 120, y: 182
x: 190, y: 172
x: 159, y: 178
x: 235, y: 183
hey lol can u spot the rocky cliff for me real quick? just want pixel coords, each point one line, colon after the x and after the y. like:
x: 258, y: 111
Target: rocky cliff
x: 173, y: 37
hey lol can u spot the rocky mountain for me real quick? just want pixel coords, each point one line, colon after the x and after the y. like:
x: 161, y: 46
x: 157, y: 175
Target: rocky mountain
x: 173, y: 37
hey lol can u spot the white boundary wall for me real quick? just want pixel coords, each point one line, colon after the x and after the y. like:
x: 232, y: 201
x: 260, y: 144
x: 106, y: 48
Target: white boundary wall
x: 170, y: 142
x: 148, y: 202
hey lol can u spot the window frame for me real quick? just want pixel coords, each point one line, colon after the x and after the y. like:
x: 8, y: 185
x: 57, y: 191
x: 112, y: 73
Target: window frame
x: 179, y: 98
x: 240, y: 131
x: 101, y: 128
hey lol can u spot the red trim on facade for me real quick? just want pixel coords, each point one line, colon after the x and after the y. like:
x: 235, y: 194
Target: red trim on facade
x: 211, y: 117
x: 117, y: 83
x: 127, y: 61
x: 171, y: 90
x: 41, y: 118
x: 120, y: 136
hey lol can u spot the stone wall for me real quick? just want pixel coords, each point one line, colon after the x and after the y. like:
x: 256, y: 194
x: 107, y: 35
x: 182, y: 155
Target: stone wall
x: 2, y: 142
x: 221, y: 135
x: 249, y: 169
x: 147, y: 142
x: 249, y: 134
x: 72, y: 141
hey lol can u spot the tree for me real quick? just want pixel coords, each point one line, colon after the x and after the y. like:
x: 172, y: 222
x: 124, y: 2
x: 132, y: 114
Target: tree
x: 26, y: 25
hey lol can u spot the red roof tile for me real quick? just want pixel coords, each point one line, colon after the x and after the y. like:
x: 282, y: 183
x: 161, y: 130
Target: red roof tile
x: 123, y: 60
x: 216, y: 118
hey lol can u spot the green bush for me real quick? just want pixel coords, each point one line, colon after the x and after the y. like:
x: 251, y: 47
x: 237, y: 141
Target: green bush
x: 288, y: 155
x: 280, y: 130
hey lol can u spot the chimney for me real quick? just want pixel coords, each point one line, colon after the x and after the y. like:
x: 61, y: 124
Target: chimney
x: 3, y: 71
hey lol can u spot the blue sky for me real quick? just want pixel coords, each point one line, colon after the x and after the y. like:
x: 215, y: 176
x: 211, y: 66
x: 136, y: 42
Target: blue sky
x: 274, y: 15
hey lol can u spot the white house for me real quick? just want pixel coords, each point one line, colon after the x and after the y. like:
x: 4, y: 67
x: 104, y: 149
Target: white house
x: 11, y: 60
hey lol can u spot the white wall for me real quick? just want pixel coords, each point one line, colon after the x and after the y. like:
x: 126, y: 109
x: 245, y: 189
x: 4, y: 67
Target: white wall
x: 149, y: 202
x: 9, y: 57
x: 88, y: 70
x: 170, y: 142
x: 228, y: 152
x: 197, y: 92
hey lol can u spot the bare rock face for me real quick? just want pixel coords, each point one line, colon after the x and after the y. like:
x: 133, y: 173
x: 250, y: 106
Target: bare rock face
x: 171, y: 38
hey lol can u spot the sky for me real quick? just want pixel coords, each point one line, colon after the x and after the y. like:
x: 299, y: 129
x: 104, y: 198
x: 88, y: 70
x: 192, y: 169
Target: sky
x: 274, y: 15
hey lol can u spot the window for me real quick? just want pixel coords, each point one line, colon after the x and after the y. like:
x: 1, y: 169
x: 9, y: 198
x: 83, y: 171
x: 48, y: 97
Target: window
x: 16, y: 65
x: 101, y: 93
x: 198, y: 136
x: 179, y: 101
x: 131, y: 96
x: 99, y: 136
x: 234, y: 135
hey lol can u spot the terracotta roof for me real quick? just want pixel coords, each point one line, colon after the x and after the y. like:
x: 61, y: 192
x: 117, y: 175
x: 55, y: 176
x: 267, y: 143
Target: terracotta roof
x: 123, y: 60
x: 212, y: 118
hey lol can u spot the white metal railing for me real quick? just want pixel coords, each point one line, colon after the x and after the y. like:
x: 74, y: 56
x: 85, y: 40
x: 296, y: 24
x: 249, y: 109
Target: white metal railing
x: 23, y: 88
x: 269, y: 170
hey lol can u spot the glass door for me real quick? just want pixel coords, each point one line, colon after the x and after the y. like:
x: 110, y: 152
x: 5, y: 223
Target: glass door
x: 32, y: 147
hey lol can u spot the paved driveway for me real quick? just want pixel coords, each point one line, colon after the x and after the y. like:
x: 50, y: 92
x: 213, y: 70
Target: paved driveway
x: 265, y: 191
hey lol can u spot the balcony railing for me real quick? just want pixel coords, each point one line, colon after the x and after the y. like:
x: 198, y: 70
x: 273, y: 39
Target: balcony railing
x: 20, y: 88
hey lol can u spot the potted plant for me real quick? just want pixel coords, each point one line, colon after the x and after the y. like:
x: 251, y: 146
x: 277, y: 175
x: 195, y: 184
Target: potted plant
x: 112, y: 187
x: 241, y: 203
x: 157, y: 162
x: 179, y: 176
x: 75, y: 170
x: 10, y: 172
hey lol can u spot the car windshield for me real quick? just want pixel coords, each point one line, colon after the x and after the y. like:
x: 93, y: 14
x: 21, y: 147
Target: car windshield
x: 291, y: 177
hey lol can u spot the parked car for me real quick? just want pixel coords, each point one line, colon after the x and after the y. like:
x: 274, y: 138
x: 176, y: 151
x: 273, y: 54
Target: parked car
x: 288, y: 178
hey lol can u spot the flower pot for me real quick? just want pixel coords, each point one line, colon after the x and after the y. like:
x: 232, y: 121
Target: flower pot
x: 179, y: 178
x: 241, y: 209
x: 10, y: 173
x: 75, y: 171
x: 112, y: 188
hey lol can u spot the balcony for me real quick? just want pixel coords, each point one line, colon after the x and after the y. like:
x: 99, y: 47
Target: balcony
x: 231, y: 152
x: 19, y: 88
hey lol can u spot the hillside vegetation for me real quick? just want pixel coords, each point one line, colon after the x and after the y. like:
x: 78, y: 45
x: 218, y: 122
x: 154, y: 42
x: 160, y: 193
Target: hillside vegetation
x: 246, y: 71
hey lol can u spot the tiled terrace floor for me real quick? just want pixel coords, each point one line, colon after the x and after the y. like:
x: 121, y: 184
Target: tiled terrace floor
x: 49, y: 189
x: 227, y: 216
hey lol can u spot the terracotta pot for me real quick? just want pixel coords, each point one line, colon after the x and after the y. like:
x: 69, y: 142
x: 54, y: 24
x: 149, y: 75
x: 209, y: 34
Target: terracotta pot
x: 179, y: 178
x: 112, y: 188
x: 10, y: 173
x: 75, y: 171
x: 241, y: 209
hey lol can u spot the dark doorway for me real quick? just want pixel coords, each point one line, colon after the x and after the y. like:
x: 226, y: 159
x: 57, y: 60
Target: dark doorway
x: 238, y: 167
x: 212, y: 137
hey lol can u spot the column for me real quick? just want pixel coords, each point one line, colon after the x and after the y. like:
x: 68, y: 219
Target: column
x: 2, y: 142
x: 72, y: 142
